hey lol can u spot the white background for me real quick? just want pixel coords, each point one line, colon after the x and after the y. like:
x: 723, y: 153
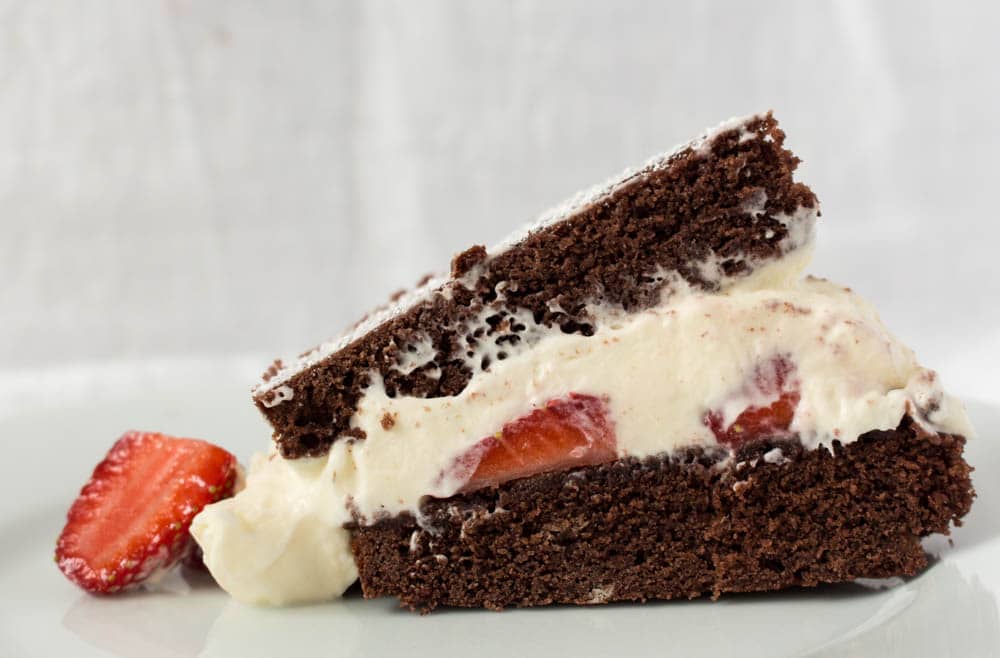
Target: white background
x: 204, y: 180
x: 188, y: 189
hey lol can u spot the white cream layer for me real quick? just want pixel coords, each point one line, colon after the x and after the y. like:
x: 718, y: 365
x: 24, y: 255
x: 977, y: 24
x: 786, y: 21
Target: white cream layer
x: 281, y: 541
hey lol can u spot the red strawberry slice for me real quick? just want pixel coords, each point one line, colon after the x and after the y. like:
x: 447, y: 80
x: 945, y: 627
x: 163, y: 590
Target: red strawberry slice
x: 775, y: 377
x: 565, y: 433
x: 771, y: 421
x: 132, y: 518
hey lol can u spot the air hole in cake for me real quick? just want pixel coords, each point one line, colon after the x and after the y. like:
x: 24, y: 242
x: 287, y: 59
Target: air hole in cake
x: 574, y: 327
x: 733, y: 267
x: 512, y: 339
x: 310, y: 440
x: 569, y: 327
x: 772, y: 565
x: 315, y: 416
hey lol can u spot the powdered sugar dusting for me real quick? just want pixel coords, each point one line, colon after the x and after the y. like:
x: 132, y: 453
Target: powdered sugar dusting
x: 586, y: 198
x: 404, y: 303
x: 266, y: 390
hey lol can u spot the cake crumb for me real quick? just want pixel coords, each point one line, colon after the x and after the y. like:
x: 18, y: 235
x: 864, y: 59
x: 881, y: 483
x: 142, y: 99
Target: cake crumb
x: 415, y: 541
x: 600, y: 595
x: 388, y: 421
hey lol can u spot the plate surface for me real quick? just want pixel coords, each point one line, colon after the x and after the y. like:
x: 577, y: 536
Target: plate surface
x: 57, y: 424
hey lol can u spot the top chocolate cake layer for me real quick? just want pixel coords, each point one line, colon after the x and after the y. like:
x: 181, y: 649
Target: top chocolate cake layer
x: 724, y: 199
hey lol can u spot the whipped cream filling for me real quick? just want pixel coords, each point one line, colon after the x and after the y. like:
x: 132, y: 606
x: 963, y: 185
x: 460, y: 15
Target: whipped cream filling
x: 660, y: 371
x: 282, y: 540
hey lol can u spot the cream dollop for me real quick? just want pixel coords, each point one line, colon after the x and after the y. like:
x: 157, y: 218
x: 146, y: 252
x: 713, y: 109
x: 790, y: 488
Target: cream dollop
x: 281, y: 540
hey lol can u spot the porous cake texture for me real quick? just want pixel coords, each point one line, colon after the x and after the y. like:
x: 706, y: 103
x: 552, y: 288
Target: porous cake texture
x: 680, y: 527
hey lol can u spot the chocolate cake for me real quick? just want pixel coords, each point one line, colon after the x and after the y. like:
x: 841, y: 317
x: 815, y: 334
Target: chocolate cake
x: 637, y: 397
x: 726, y: 196
x: 676, y: 527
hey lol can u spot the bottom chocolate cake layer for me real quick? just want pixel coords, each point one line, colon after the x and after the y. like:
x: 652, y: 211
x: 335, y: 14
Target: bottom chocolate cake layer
x: 634, y: 530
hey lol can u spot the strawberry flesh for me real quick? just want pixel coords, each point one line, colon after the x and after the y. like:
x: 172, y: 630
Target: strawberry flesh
x: 565, y: 433
x: 132, y: 518
x: 772, y: 378
x: 771, y: 421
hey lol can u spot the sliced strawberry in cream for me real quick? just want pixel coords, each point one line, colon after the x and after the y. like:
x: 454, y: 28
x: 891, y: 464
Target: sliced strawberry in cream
x: 565, y: 433
x: 775, y: 382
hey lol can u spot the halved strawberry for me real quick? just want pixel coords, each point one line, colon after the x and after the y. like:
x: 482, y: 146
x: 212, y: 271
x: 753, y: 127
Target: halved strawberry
x: 773, y: 377
x: 566, y: 432
x: 132, y: 518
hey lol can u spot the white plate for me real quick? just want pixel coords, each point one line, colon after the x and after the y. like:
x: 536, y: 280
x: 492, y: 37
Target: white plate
x: 55, y: 425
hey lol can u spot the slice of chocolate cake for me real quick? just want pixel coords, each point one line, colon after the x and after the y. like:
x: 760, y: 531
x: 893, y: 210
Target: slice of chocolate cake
x: 704, y: 214
x: 638, y: 397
